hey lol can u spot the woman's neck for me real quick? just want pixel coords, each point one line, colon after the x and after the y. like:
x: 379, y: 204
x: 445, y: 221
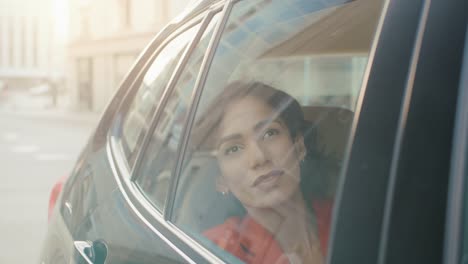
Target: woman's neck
x: 292, y: 226
x: 291, y: 212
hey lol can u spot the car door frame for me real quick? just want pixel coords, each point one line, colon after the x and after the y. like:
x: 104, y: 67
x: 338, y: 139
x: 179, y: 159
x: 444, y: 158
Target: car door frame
x: 455, y: 240
x: 377, y: 86
x: 455, y: 236
x: 413, y: 223
x: 390, y: 52
x: 359, y: 211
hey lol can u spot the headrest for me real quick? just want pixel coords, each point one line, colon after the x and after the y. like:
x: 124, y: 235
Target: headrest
x: 332, y: 126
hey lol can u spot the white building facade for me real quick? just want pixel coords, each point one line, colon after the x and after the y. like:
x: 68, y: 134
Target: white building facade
x: 29, y: 48
x: 106, y: 37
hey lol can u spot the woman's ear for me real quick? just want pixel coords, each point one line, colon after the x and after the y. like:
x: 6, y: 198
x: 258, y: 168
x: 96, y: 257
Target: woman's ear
x: 221, y: 185
x: 300, y: 147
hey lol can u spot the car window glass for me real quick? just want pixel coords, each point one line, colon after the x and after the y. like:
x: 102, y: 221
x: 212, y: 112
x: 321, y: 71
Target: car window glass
x: 136, y: 121
x: 160, y: 156
x: 266, y: 149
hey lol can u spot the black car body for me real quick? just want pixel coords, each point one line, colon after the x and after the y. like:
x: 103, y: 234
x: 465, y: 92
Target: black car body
x: 401, y: 193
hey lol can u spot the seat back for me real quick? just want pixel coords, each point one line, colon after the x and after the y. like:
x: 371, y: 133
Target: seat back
x: 332, y: 126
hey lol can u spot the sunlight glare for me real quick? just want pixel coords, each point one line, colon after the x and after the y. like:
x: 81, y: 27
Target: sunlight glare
x: 61, y: 19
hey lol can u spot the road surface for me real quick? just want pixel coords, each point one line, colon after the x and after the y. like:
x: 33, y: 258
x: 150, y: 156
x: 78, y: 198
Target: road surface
x: 35, y: 151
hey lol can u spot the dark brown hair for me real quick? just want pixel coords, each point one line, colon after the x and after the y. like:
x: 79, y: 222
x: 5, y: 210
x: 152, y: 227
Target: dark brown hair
x: 318, y: 173
x: 284, y: 104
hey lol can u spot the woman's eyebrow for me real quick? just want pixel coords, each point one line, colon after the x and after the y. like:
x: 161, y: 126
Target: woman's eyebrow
x: 259, y: 126
x: 263, y: 123
x: 229, y: 137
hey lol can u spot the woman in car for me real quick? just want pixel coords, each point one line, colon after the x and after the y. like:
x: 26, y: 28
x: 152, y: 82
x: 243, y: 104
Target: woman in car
x: 266, y: 163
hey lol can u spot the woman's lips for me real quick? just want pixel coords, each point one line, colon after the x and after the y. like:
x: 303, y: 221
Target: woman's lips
x: 268, y: 178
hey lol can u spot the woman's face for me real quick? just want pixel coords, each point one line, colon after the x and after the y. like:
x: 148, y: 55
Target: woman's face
x: 259, y: 160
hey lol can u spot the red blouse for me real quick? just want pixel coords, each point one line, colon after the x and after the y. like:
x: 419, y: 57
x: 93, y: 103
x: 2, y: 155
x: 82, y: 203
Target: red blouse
x: 252, y: 243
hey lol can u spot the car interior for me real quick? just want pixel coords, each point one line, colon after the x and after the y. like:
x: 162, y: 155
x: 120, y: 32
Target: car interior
x: 202, y: 206
x: 322, y: 66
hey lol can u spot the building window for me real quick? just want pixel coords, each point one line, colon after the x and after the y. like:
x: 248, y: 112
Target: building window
x: 125, y: 11
x: 11, y: 37
x: 84, y: 21
x: 34, y: 42
x: 85, y: 91
x: 2, y: 41
x: 24, y: 47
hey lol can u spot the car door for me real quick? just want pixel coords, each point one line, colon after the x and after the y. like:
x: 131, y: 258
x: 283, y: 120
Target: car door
x: 414, y: 202
x: 371, y: 216
x: 152, y: 113
x: 375, y: 96
x: 456, y: 232
x: 423, y: 220
x: 391, y: 200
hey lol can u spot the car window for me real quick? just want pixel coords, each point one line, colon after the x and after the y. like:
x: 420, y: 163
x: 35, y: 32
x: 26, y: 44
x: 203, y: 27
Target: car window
x: 160, y: 156
x: 134, y: 125
x: 265, y: 151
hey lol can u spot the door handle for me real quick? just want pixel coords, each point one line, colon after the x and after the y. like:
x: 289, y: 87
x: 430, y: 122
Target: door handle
x: 87, y: 252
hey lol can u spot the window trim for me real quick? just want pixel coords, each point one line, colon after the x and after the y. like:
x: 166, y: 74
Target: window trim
x: 130, y: 94
x: 150, y: 216
x: 408, y: 240
x: 134, y: 200
x: 196, y: 95
x: 456, y: 200
x: 358, y: 212
x: 163, y: 103
x: 178, y: 70
x: 401, y: 130
x: 188, y: 242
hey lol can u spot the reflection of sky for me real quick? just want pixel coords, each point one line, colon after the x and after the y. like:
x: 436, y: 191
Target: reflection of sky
x: 291, y: 15
x: 257, y: 26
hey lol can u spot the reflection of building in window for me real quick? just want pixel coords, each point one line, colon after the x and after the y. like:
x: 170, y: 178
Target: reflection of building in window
x: 168, y: 116
x: 304, y: 50
x: 172, y: 117
x: 326, y: 80
x: 255, y: 32
x: 134, y: 125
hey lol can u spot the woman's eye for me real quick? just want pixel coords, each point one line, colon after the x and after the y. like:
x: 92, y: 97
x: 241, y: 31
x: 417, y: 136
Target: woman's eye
x: 270, y: 132
x: 231, y: 150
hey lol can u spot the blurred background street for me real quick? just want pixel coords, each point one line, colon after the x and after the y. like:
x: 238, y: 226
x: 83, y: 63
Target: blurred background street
x: 36, y: 149
x: 60, y: 63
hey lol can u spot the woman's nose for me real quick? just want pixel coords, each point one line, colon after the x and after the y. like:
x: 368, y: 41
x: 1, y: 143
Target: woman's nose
x: 257, y: 155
